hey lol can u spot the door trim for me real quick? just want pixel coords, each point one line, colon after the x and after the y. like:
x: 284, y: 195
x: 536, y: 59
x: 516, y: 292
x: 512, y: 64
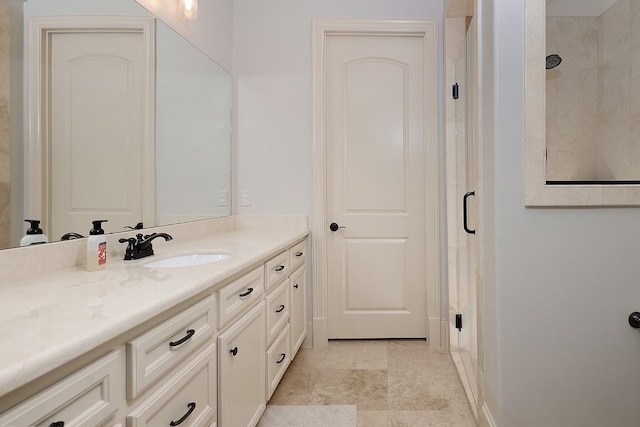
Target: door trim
x: 38, y: 176
x: 428, y: 30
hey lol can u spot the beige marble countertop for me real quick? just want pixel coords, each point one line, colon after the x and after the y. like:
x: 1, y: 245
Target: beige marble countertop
x: 48, y: 320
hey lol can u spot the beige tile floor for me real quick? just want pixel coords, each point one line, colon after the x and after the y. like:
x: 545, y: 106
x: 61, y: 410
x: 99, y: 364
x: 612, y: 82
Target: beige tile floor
x: 392, y: 383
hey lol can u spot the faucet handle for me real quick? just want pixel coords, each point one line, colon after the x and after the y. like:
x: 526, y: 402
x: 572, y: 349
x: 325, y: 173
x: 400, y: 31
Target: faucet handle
x: 138, y: 226
x: 131, y: 247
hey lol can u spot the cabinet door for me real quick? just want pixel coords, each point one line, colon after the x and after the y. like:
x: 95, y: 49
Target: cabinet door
x: 296, y: 255
x: 276, y: 270
x: 161, y: 348
x: 84, y: 399
x: 187, y: 397
x: 278, y: 308
x: 241, y: 370
x: 278, y: 359
x: 298, y: 310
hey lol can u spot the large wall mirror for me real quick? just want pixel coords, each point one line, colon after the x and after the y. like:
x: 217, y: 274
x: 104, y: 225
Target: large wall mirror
x: 582, y: 118
x: 190, y: 100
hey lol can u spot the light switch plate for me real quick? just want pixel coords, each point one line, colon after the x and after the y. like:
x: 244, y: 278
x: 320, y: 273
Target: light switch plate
x: 245, y: 199
x: 223, y: 198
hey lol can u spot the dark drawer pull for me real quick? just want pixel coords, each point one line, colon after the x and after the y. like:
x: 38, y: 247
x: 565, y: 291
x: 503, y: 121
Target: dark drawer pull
x: 279, y: 310
x: 282, y: 357
x: 57, y: 424
x: 249, y: 290
x: 299, y: 254
x: 191, y: 406
x: 296, y: 286
x: 234, y: 351
x: 182, y: 340
x: 280, y: 268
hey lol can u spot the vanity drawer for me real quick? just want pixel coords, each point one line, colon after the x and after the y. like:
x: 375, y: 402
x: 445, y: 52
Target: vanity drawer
x: 239, y: 296
x: 297, y: 255
x: 278, y: 308
x: 276, y: 269
x: 84, y: 399
x: 188, y: 397
x: 156, y: 351
x: 278, y: 359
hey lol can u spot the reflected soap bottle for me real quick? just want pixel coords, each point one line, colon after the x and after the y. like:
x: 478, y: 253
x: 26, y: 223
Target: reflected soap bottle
x: 96, y: 247
x: 35, y: 235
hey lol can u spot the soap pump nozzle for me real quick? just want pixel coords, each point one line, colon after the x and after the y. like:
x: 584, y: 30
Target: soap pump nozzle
x: 97, y: 227
x: 34, y: 226
x: 34, y: 235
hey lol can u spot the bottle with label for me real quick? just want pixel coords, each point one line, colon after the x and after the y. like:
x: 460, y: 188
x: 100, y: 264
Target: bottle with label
x: 96, y: 247
x: 34, y: 235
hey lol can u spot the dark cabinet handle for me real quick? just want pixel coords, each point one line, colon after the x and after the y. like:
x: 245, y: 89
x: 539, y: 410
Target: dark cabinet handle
x: 234, y: 351
x: 57, y: 424
x: 190, y: 333
x: 296, y: 286
x: 465, y: 212
x: 634, y: 320
x: 282, y: 357
x: 246, y: 293
x: 279, y: 310
x: 191, y: 406
x: 280, y: 268
x: 299, y: 254
x: 334, y: 227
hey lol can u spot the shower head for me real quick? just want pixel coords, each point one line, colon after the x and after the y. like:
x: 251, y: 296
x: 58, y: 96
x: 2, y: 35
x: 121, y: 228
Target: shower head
x: 553, y: 61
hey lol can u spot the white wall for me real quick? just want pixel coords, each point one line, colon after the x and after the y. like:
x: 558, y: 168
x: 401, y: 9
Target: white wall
x: 559, y: 350
x: 272, y: 80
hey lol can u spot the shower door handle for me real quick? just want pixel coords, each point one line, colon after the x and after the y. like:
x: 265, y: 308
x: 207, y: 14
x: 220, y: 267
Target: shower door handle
x: 465, y: 214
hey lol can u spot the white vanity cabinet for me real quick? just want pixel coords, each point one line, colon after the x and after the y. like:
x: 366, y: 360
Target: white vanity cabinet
x: 213, y: 362
x: 241, y: 368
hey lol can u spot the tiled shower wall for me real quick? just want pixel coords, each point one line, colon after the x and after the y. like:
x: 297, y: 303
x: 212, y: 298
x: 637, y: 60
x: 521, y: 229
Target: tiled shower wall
x: 5, y: 122
x: 593, y: 97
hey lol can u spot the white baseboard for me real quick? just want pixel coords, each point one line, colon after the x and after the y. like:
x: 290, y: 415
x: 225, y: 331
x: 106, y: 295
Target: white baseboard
x: 444, y: 334
x: 435, y: 332
x: 308, y: 340
x: 319, y: 328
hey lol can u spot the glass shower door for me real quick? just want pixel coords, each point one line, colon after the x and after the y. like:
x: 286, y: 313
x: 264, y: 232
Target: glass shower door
x: 465, y: 344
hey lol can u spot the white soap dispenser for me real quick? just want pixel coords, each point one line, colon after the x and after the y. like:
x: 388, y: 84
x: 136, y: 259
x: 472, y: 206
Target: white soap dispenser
x: 96, y: 247
x: 34, y: 235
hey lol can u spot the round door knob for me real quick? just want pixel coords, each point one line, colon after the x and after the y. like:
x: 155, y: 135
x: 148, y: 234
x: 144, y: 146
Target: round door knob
x: 334, y: 227
x: 634, y: 320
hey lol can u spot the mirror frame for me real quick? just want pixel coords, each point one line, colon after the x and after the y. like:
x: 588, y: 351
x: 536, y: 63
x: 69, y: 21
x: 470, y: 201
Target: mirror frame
x: 537, y: 192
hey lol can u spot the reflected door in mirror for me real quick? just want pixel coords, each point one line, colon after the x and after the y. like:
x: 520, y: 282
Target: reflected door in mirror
x: 96, y: 121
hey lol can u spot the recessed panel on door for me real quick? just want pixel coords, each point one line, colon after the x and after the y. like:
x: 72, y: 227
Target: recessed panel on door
x: 375, y: 287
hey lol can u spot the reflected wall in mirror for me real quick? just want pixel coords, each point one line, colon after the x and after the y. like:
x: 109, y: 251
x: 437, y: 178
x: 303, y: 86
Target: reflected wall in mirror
x: 593, y: 91
x: 192, y: 136
x: 586, y: 161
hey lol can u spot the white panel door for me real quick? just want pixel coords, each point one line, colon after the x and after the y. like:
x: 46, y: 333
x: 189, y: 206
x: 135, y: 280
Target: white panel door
x: 96, y: 84
x: 376, y: 186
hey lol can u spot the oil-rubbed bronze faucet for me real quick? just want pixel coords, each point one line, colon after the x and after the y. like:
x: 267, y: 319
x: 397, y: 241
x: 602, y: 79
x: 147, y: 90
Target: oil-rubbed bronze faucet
x: 140, y: 246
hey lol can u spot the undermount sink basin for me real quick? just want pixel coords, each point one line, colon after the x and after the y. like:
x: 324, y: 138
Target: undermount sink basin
x: 187, y: 259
